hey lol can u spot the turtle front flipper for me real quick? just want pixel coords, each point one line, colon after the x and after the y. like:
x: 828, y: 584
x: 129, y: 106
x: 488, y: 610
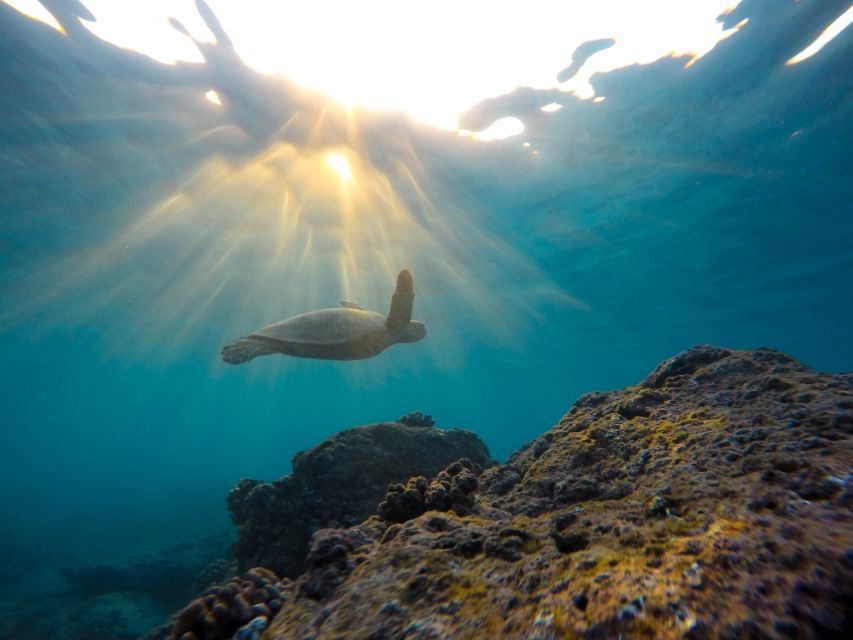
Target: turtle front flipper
x: 244, y: 349
x: 400, y: 314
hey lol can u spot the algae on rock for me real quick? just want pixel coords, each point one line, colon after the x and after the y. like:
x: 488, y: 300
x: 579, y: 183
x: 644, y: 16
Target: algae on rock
x: 338, y: 483
x: 712, y: 500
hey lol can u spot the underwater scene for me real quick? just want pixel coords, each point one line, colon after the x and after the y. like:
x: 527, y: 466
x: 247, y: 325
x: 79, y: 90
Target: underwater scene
x: 426, y: 320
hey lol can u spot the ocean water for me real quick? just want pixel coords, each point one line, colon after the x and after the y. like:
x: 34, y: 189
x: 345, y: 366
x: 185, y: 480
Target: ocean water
x: 143, y: 227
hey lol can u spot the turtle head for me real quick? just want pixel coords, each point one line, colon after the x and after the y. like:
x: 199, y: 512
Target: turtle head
x: 413, y: 332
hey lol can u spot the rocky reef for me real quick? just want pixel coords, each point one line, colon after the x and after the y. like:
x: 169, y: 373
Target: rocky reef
x: 338, y: 483
x: 712, y: 500
x: 454, y: 488
x: 240, y: 609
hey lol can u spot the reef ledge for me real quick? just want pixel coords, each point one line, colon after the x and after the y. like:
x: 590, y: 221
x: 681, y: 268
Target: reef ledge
x: 714, y: 499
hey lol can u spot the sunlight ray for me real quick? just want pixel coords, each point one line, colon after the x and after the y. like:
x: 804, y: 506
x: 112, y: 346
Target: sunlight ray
x: 283, y: 232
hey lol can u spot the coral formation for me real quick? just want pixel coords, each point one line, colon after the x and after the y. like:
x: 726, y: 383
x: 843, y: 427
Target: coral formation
x: 712, y: 500
x: 453, y: 488
x: 239, y: 609
x: 417, y: 419
x: 338, y: 483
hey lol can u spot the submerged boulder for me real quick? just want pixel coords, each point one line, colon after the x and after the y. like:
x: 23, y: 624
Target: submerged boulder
x: 337, y: 484
x: 712, y: 500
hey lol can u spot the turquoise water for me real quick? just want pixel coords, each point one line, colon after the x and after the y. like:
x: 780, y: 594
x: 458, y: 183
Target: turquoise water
x: 144, y: 227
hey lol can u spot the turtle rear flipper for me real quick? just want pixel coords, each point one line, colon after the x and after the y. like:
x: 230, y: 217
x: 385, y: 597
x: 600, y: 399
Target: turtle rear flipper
x: 402, y: 301
x: 244, y: 349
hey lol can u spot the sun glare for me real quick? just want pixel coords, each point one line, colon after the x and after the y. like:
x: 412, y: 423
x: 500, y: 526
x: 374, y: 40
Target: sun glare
x: 500, y: 129
x: 339, y: 165
x: 310, y: 199
x: 236, y: 233
x: 366, y: 53
x: 35, y: 10
x: 837, y: 26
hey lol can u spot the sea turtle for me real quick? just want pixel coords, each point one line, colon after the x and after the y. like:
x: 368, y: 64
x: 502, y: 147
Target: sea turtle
x: 348, y: 332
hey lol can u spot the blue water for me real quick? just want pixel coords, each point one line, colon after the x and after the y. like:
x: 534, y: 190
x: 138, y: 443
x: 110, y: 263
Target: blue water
x: 142, y: 228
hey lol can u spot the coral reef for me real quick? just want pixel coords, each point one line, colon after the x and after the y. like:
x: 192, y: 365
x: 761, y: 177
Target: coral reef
x: 333, y: 555
x: 454, y: 488
x: 239, y: 609
x: 712, y: 500
x: 338, y: 483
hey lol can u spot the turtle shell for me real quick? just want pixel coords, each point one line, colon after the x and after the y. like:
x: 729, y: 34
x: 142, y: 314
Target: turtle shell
x: 325, y: 327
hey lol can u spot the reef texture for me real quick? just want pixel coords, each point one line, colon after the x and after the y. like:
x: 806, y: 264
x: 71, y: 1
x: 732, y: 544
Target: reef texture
x: 240, y: 609
x: 712, y: 500
x: 454, y: 488
x: 338, y: 483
